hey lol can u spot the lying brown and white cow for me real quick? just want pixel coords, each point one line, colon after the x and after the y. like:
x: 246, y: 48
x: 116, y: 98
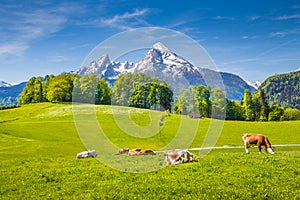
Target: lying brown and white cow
x: 178, y: 156
x: 135, y: 152
x: 258, y: 140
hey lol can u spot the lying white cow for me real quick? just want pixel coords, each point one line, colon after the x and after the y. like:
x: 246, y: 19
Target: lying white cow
x: 178, y: 156
x: 258, y: 140
x: 87, y: 154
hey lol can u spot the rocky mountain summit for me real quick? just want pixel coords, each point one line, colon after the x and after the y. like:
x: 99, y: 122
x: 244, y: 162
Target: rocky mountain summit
x: 163, y: 63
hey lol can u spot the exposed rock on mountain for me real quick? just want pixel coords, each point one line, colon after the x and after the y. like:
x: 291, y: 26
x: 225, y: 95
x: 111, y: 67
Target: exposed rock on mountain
x: 163, y: 63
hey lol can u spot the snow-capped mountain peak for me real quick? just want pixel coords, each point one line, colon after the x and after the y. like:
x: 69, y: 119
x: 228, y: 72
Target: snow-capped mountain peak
x: 160, y: 61
x: 104, y: 59
x: 5, y: 84
x: 167, y: 65
x: 159, y: 46
x: 154, y: 55
x: 96, y: 67
x: 101, y: 63
x: 255, y: 84
x: 163, y: 63
x: 160, y: 54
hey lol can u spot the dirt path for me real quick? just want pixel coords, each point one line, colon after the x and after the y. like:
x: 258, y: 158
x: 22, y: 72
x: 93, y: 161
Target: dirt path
x: 240, y: 147
x: 231, y: 147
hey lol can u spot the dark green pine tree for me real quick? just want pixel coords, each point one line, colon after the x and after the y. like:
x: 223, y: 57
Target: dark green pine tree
x: 264, y: 106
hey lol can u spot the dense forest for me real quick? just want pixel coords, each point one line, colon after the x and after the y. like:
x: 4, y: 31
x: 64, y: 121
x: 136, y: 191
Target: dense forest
x: 283, y: 90
x: 143, y: 91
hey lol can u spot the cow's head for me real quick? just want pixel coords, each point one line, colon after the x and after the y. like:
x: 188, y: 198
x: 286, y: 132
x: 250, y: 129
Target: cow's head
x: 123, y: 151
x: 192, y: 157
x: 92, y: 153
x: 271, y: 150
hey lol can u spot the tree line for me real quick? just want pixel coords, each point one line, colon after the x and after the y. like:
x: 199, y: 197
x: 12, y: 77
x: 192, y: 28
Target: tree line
x: 143, y: 91
x: 135, y: 90
x: 63, y: 87
x: 255, y: 107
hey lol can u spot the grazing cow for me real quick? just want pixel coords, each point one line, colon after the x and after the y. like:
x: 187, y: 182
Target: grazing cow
x: 135, y: 152
x: 258, y: 140
x: 87, y: 154
x: 178, y: 156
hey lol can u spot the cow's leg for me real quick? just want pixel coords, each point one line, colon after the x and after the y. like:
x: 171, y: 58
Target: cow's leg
x: 266, y: 149
x: 259, y: 149
x: 246, y: 148
x: 189, y: 159
x: 167, y: 159
x: 178, y: 160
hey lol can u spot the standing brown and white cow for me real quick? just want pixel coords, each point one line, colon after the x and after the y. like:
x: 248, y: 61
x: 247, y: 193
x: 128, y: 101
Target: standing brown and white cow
x: 258, y: 140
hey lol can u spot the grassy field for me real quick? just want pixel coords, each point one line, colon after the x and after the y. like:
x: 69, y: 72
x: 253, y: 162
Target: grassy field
x: 39, y: 143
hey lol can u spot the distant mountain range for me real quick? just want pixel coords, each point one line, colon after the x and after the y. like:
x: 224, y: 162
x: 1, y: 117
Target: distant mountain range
x: 9, y: 94
x: 163, y: 63
x: 255, y: 84
x: 5, y: 84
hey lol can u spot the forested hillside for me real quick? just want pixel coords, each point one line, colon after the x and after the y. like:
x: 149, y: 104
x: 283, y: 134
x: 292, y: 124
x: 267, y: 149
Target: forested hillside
x: 283, y: 90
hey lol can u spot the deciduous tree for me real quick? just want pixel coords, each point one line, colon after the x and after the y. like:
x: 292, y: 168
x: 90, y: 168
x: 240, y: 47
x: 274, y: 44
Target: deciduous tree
x: 60, y: 88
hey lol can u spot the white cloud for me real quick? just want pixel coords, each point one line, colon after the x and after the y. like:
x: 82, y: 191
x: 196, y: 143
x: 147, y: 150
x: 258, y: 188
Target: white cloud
x: 278, y: 34
x: 13, y: 48
x: 224, y: 18
x: 284, y: 33
x: 19, y: 25
x: 287, y: 17
x: 179, y: 23
x: 39, y: 23
x: 250, y: 37
x: 127, y: 20
x: 253, y: 18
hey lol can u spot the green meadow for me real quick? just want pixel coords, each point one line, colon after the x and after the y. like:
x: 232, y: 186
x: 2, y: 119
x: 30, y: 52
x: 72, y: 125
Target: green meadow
x: 39, y: 143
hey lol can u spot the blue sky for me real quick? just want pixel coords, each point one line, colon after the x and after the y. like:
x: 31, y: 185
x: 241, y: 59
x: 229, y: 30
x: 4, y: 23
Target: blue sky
x: 254, y: 39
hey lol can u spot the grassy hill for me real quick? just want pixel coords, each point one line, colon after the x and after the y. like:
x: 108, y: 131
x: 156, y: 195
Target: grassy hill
x: 39, y: 143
